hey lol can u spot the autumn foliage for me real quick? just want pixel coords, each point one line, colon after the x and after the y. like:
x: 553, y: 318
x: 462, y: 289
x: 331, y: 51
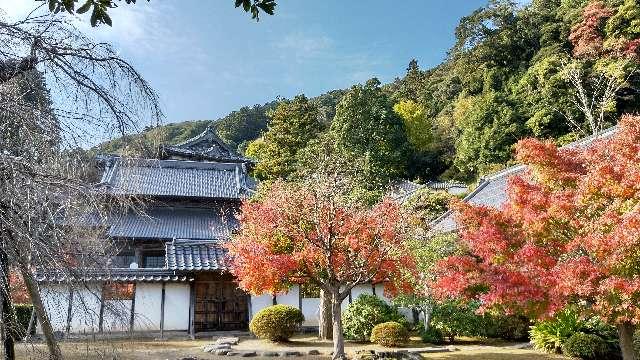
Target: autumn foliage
x: 296, y: 235
x: 569, y: 233
x: 17, y: 289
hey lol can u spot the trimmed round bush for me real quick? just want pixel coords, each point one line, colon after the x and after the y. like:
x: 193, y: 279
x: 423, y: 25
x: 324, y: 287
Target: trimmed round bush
x: 277, y: 322
x: 366, y: 312
x: 432, y: 336
x: 389, y: 334
x: 585, y: 346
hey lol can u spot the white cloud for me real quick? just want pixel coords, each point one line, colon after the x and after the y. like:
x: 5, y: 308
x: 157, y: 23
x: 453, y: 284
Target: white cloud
x: 303, y: 45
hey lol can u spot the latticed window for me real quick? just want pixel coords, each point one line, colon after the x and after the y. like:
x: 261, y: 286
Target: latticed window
x: 123, y: 260
x: 154, y: 260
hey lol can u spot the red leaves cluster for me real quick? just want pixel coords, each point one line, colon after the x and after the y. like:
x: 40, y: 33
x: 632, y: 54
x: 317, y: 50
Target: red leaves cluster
x: 17, y: 289
x: 296, y: 235
x: 586, y: 37
x: 570, y: 231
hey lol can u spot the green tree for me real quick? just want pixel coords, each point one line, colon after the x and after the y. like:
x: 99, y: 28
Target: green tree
x: 293, y: 125
x: 418, y: 127
x: 366, y: 126
x: 99, y: 8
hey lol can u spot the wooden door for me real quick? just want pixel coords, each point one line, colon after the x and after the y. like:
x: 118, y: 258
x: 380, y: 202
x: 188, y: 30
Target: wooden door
x: 220, y: 306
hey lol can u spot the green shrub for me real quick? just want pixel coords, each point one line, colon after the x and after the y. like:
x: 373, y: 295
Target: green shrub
x: 585, y: 346
x: 277, y: 322
x: 636, y: 342
x: 366, y: 312
x: 551, y: 334
x: 507, y: 327
x: 389, y: 334
x: 432, y: 336
x: 456, y: 318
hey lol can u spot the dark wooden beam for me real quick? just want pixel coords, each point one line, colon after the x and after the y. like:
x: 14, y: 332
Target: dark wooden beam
x: 162, y: 300
x: 192, y: 310
x: 101, y: 313
x: 132, y: 318
x: 69, y: 311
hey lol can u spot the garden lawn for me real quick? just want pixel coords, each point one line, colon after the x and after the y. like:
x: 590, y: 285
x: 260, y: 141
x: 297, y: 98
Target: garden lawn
x: 153, y: 350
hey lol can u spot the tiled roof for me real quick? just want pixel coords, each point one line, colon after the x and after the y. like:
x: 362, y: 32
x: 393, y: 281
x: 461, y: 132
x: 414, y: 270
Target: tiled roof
x: 491, y: 190
x: 206, y: 146
x: 175, y: 223
x: 118, y: 275
x: 403, y: 189
x: 176, y: 178
x: 196, y: 255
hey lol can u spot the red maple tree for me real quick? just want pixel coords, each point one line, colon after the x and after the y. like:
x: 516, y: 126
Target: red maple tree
x: 586, y: 36
x: 303, y: 234
x: 568, y: 233
x: 17, y: 289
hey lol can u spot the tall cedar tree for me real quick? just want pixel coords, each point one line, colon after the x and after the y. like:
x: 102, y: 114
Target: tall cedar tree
x: 293, y: 125
x: 299, y: 234
x: 568, y: 233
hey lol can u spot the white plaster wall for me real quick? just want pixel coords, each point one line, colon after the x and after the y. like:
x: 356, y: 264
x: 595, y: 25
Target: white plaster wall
x: 259, y: 302
x: 85, y: 312
x: 176, y: 307
x: 56, y: 301
x: 147, y: 309
x: 291, y: 298
x: 359, y: 290
x: 311, y: 311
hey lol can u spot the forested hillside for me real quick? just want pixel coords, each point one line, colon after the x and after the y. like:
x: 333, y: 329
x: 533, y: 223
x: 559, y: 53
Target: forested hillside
x: 557, y: 69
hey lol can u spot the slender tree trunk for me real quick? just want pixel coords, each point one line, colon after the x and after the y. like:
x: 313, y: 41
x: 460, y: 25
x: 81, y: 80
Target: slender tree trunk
x: 325, y: 328
x: 427, y: 316
x: 338, y: 336
x: 7, y: 317
x: 625, y: 332
x: 41, y: 313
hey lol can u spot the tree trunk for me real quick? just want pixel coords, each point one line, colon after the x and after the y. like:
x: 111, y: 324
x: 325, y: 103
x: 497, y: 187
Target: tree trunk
x: 325, y: 328
x: 427, y: 316
x: 338, y: 336
x: 41, y: 313
x: 625, y: 332
x: 7, y: 318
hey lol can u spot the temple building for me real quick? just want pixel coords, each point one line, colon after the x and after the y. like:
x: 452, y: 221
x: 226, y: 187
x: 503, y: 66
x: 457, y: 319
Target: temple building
x: 170, y: 272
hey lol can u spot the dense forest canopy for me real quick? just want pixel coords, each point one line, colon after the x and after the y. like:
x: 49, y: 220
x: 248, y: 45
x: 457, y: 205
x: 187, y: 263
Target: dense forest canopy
x: 513, y: 72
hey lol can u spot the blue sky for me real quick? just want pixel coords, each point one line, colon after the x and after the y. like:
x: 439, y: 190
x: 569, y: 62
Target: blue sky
x: 207, y: 58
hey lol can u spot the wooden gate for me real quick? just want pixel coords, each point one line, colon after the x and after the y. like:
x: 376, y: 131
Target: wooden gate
x: 220, y: 306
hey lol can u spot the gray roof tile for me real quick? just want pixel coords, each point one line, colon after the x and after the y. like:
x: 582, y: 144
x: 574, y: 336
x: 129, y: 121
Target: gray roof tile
x: 117, y: 275
x: 176, y: 178
x: 196, y: 255
x: 175, y: 222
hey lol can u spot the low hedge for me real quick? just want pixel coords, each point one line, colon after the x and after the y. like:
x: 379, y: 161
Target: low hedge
x: 586, y: 346
x: 432, y: 336
x: 277, y: 322
x: 364, y: 313
x: 389, y: 334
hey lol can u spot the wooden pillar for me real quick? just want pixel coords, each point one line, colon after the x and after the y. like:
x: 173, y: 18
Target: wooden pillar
x: 192, y: 310
x: 350, y: 296
x: 373, y: 288
x: 132, y: 318
x: 300, y: 297
x: 69, y: 311
x: 101, y: 313
x: 162, y: 299
x: 274, y: 299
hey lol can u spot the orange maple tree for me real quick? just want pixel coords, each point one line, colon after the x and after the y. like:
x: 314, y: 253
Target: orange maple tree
x: 568, y: 233
x: 303, y: 234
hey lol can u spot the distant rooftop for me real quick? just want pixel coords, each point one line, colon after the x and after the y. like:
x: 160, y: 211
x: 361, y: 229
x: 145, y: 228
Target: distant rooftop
x: 492, y: 189
x: 206, y: 146
x: 403, y: 189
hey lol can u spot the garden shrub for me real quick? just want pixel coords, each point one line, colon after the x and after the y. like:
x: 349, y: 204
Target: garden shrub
x: 432, y: 335
x: 277, y: 322
x: 585, y: 346
x: 550, y: 335
x: 366, y: 312
x: 507, y: 327
x: 389, y: 334
x: 455, y: 318
x: 636, y: 341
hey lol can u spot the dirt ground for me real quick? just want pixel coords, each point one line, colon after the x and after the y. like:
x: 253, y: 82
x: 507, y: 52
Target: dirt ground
x: 170, y: 350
